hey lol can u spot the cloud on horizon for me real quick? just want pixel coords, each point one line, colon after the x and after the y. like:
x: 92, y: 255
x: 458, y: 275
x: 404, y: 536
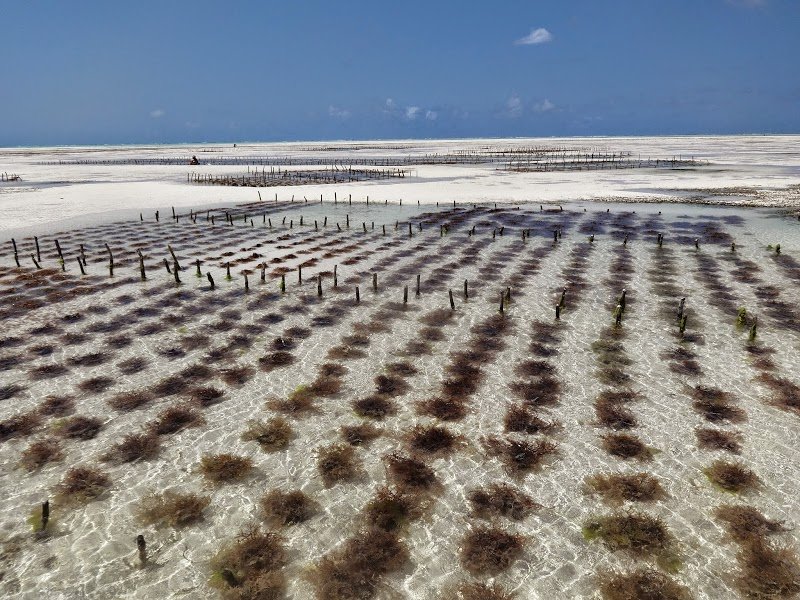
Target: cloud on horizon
x: 536, y: 36
x: 544, y: 106
x: 157, y: 113
x: 338, y: 113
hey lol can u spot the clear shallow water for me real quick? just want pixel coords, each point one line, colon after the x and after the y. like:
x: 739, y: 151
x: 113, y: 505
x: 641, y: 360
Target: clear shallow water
x: 92, y: 553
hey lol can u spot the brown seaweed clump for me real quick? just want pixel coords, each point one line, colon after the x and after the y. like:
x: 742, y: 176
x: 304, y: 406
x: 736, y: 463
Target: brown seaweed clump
x: 732, y: 477
x: 767, y: 571
x: 354, y: 570
x: 288, y: 508
x: 133, y: 447
x: 252, y: 567
x: 225, y: 468
x: 520, y: 457
x: 431, y: 441
x: 475, y: 590
x: 80, y: 427
x: 522, y: 419
x: 744, y: 523
x: 489, y: 551
x: 501, y: 500
x: 175, y: 418
x: 271, y: 436
x: 626, y: 446
x: 409, y: 473
x: 21, y: 425
x: 616, y: 488
x: 719, y: 439
x: 172, y: 509
x: 337, y: 463
x: 641, y: 584
x: 40, y: 453
x: 391, y: 509
x: 443, y: 408
x: 127, y: 401
x: 639, y: 534
x: 361, y: 434
x: 81, y: 485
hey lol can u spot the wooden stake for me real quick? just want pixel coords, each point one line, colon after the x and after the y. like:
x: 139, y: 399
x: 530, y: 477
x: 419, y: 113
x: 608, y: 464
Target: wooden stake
x: 210, y: 280
x: 33, y: 258
x: 452, y: 302
x: 466, y: 290
x: 246, y: 283
x: 176, y: 272
x: 38, y: 252
x: 45, y: 514
x: 358, y: 296
x: 335, y: 278
x: 558, y: 312
x: 418, y: 279
x: 141, y: 547
x: 283, y: 282
x: 374, y: 282
x: 405, y: 295
x: 141, y: 267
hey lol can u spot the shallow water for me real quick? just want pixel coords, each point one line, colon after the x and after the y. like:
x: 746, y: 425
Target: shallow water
x: 91, y: 550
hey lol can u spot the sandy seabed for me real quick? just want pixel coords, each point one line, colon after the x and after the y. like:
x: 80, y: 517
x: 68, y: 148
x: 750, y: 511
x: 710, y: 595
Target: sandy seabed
x: 476, y: 397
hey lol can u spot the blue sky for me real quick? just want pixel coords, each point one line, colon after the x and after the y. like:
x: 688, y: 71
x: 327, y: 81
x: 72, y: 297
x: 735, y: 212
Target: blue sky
x: 142, y: 72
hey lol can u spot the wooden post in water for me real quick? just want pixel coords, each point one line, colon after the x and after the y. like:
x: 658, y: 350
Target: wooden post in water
x: 176, y: 272
x: 141, y: 267
x: 38, y: 252
x: 374, y: 282
x: 283, y: 282
x: 405, y: 295
x: 466, y: 290
x: 558, y: 312
x: 210, y: 280
x: 45, y: 514
x: 418, y: 280
x: 80, y: 266
x: 141, y: 547
x: 358, y: 296
x: 452, y: 302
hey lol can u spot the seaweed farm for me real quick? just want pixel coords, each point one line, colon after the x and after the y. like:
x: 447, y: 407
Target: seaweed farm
x: 342, y: 400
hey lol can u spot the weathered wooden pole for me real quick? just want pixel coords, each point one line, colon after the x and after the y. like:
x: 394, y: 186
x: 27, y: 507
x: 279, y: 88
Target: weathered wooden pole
x: 466, y: 290
x: 335, y: 277
x: 558, y: 312
x: 176, y: 272
x: 283, y: 282
x: 246, y: 283
x: 197, y: 264
x: 210, y: 280
x: 45, y: 514
x: 405, y: 295
x: 502, y: 301
x: 358, y: 295
x: 263, y: 272
x: 141, y: 267
x: 228, y: 271
x: 418, y: 286
x: 166, y: 266
x: 452, y: 302
x: 374, y: 282
x: 38, y: 252
x: 563, y: 302
x: 33, y: 258
x: 300, y: 274
x: 80, y: 266
x: 141, y: 547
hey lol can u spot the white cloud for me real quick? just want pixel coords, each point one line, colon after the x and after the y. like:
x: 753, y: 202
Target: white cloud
x: 514, y: 106
x: 412, y: 112
x: 338, y: 113
x: 544, y: 106
x: 431, y: 115
x: 157, y: 113
x: 536, y: 36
